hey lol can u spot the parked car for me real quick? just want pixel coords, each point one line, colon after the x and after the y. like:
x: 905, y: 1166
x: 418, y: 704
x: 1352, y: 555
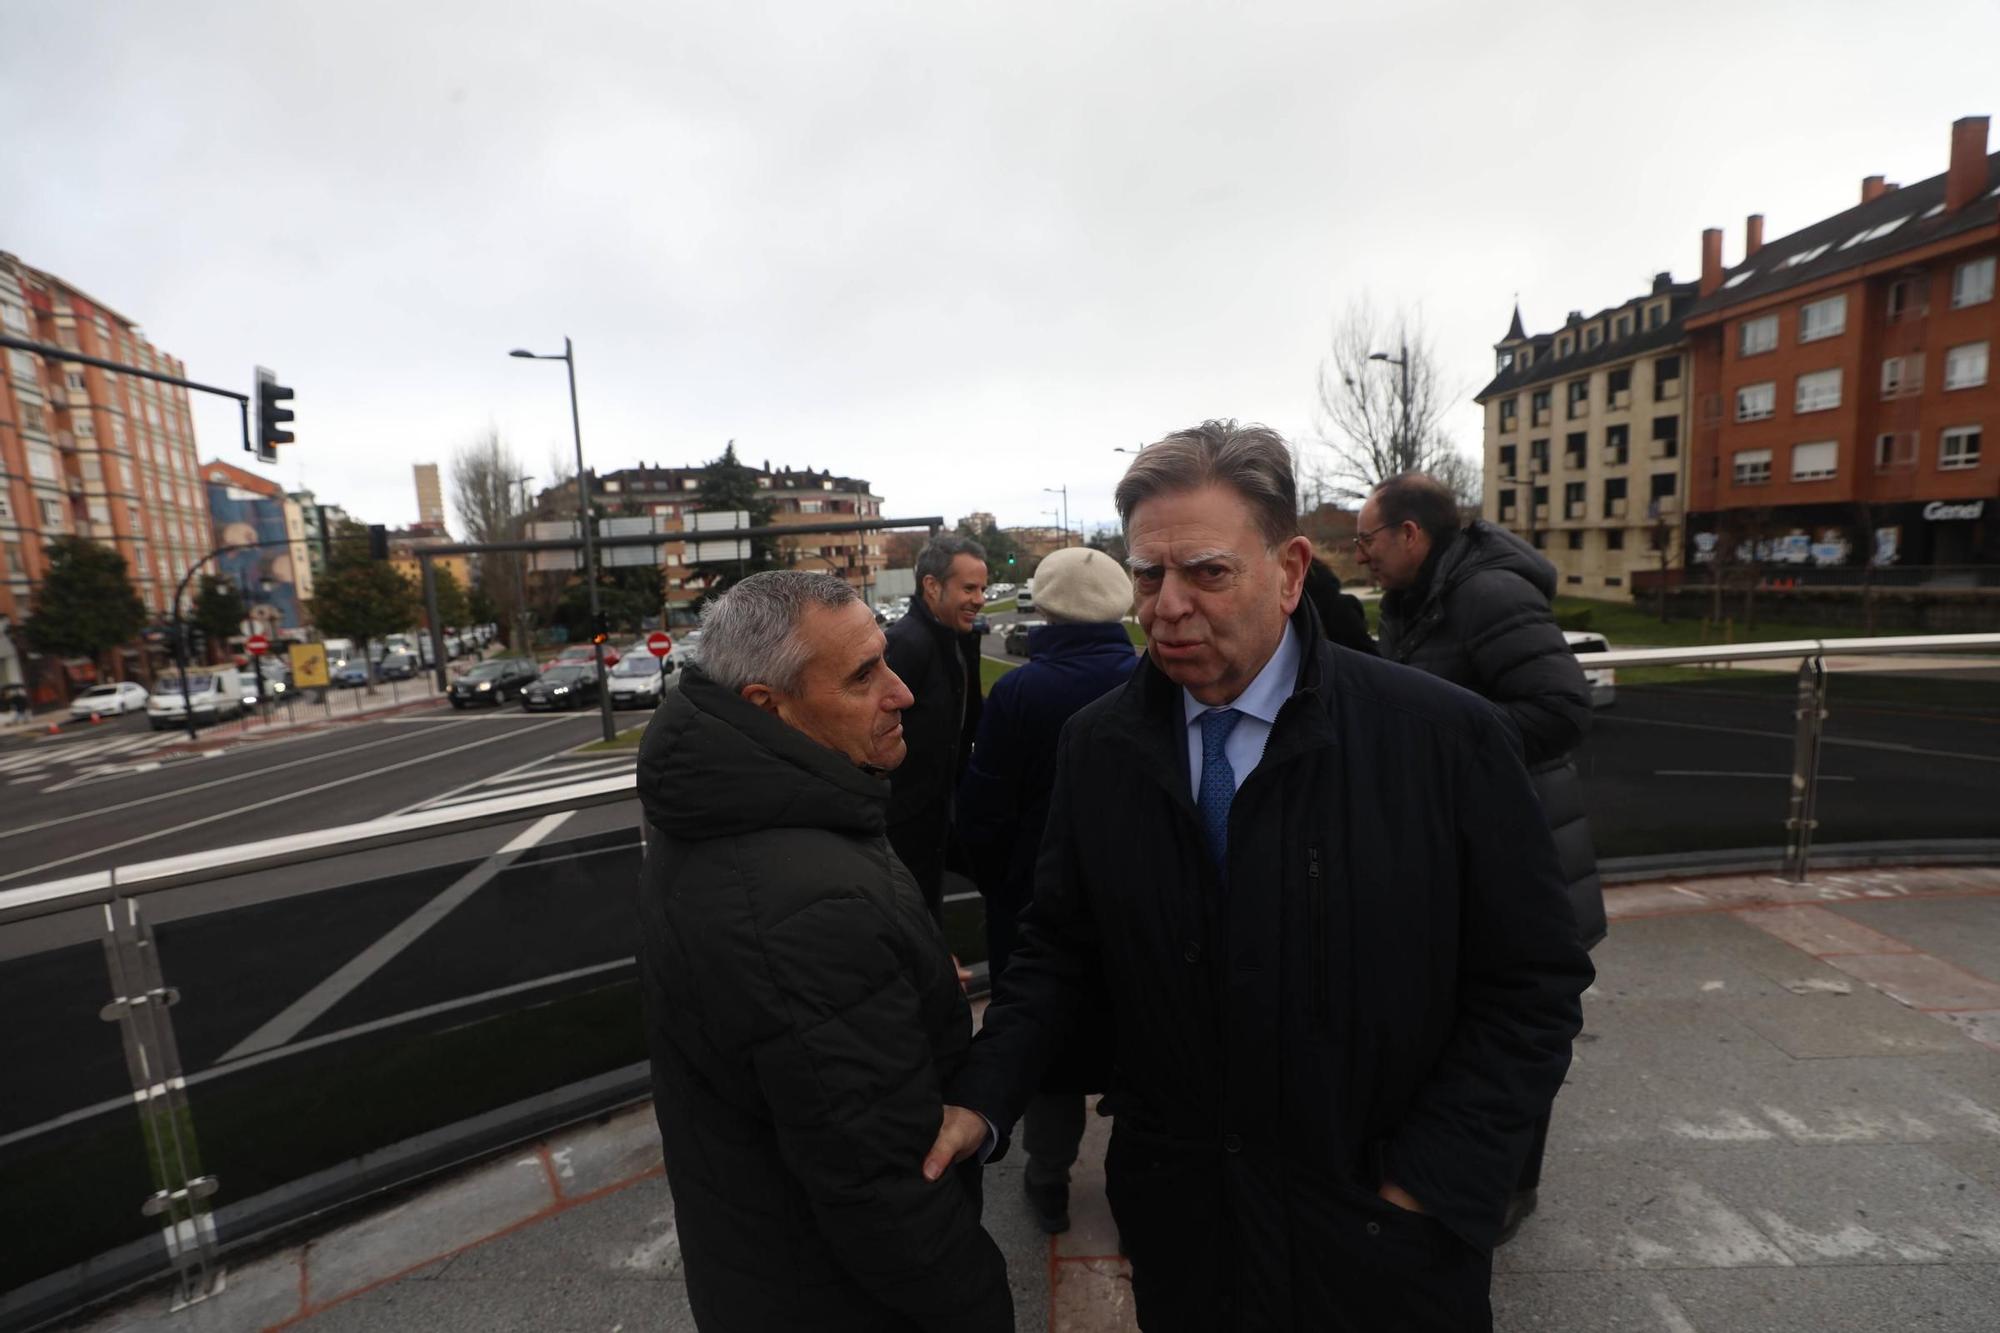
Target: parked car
x: 569, y: 685
x: 1603, y: 680
x: 398, y: 666
x: 981, y: 625
x: 1024, y: 600
x: 582, y: 652
x: 687, y: 647
x: 348, y: 675
x: 493, y: 682
x: 216, y: 696
x: 109, y: 700
x: 1015, y: 644
x: 638, y: 680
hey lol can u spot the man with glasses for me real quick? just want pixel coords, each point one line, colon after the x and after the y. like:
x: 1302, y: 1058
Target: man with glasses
x: 1471, y: 604
x: 1314, y: 891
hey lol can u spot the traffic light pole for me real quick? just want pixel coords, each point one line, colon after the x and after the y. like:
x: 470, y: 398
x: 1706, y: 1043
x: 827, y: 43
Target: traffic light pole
x: 55, y: 353
x: 180, y: 625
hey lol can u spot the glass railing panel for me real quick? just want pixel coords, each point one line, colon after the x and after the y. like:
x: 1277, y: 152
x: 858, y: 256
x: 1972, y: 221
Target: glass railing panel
x: 1911, y: 751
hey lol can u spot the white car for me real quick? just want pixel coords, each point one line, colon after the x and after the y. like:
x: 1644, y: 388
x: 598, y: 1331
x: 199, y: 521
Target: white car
x: 216, y: 695
x: 1603, y: 681
x: 637, y: 681
x: 125, y: 696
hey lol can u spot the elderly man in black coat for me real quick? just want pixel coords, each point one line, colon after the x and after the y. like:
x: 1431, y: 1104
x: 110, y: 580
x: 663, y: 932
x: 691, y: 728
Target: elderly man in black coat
x: 801, y: 1010
x: 1319, y: 896
x: 935, y: 651
x: 1471, y: 605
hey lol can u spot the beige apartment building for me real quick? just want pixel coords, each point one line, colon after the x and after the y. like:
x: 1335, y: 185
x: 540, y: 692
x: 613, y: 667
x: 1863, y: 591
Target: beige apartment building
x: 1586, y: 432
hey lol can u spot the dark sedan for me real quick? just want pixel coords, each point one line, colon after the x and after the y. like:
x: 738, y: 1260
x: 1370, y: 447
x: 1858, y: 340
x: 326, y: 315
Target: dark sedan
x: 564, y: 686
x: 1015, y: 644
x: 492, y: 682
x: 398, y: 666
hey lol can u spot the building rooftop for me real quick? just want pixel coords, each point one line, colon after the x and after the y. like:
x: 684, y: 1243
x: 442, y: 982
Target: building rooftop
x: 1546, y: 365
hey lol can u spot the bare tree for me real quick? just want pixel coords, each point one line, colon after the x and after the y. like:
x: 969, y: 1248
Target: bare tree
x: 1382, y: 400
x: 486, y: 490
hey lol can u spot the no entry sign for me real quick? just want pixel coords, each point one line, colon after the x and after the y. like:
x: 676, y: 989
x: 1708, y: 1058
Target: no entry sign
x: 256, y: 645
x: 659, y: 643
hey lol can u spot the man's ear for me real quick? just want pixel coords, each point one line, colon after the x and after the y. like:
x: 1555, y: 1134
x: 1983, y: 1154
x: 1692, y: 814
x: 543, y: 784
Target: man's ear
x: 761, y: 696
x: 1293, y: 557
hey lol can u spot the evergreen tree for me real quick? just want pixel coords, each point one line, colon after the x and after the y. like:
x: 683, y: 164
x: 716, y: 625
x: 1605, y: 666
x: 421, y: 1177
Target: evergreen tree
x: 218, y: 609
x: 361, y: 598
x: 727, y: 484
x: 85, y: 604
x: 454, y: 607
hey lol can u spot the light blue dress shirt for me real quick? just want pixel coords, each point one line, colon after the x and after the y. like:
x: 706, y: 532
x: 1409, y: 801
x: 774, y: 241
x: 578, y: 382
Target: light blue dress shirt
x: 1259, y: 703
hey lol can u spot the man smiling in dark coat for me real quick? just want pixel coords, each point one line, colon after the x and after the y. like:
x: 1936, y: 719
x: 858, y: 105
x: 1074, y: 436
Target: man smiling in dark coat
x: 801, y: 1009
x: 1321, y: 900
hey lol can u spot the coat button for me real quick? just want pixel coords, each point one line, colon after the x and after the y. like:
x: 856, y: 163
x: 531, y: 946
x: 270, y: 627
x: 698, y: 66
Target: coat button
x: 1374, y: 1228
x: 1193, y: 951
x: 1232, y: 1143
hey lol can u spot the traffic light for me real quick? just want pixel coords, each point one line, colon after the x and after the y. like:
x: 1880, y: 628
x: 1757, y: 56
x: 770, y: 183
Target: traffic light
x: 271, y: 416
x: 1010, y: 557
x: 378, y: 538
x: 600, y: 628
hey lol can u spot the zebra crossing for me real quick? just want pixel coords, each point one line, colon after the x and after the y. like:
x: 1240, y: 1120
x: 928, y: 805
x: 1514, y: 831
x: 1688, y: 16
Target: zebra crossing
x: 59, y: 766
x: 537, y: 775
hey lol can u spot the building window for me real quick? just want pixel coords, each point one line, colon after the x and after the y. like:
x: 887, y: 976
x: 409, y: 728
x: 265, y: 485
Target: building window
x: 1579, y: 398
x: 42, y: 462
x: 1619, y: 384
x: 1617, y: 445
x: 1593, y: 336
x: 1972, y: 283
x: 1541, y: 539
x: 1662, y: 486
x: 6, y: 507
x: 1563, y: 345
x: 32, y: 418
x: 1573, y: 500
x: 1538, y: 456
x: 1539, y: 407
x: 1507, y: 503
x: 1666, y: 437
x: 1902, y: 375
x: 1958, y: 447
x: 1758, y: 335
x: 1823, y: 319
x: 74, y: 380
x: 1905, y: 299
x: 1504, y: 359
x: 13, y: 318
x: 1576, y: 541
x: 1666, y: 378
x: 1614, y: 539
x: 1816, y: 461
x: 1818, y: 391
x: 86, y: 429
x: 1614, y: 497
x: 1622, y: 327
x: 1510, y: 414
x: 1614, y: 580
x: 812, y: 506
x: 1656, y: 315
x: 1539, y: 497
x: 1508, y: 453
x: 1575, y: 445
x: 52, y: 515
x: 1753, y: 467
x: 1965, y: 366
x: 1895, y: 450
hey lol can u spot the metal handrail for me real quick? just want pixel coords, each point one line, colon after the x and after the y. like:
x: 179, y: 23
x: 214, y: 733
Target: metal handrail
x: 102, y: 886
x: 1914, y: 644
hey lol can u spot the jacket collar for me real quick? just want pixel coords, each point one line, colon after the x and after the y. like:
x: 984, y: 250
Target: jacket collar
x: 1070, y: 638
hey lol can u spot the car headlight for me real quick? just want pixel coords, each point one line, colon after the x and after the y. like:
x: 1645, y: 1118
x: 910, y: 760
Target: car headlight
x: 485, y: 685
x: 559, y: 689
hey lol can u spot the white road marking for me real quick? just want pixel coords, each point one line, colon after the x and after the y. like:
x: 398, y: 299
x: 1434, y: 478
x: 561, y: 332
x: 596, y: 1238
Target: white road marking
x: 240, y: 810
x: 1894, y: 747
x: 201, y: 786
x: 516, y: 783
x: 302, y: 1012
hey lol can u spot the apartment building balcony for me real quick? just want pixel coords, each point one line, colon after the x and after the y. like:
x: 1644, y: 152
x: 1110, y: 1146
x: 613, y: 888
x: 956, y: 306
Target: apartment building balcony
x: 1621, y: 401
x: 1574, y: 462
x: 1543, y: 416
x: 1666, y: 390
x: 1615, y: 508
x: 1665, y: 507
x: 1541, y: 513
x: 1576, y: 511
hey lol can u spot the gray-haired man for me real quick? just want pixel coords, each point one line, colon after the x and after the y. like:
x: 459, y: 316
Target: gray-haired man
x: 801, y: 1009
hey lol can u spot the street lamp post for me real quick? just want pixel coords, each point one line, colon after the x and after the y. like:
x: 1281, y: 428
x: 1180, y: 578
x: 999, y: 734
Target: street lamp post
x: 1062, y: 490
x: 568, y: 358
x: 521, y: 573
x: 1404, y: 362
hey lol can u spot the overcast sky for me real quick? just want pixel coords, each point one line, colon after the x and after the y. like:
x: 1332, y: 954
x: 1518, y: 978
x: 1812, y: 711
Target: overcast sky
x: 962, y: 250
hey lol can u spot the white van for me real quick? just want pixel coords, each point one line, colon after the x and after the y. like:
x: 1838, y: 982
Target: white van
x: 1024, y: 600
x: 1603, y: 681
x: 216, y: 695
x: 338, y: 652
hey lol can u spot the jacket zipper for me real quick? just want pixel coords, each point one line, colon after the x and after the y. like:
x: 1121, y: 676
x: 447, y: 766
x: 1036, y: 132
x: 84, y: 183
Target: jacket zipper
x: 1316, y: 929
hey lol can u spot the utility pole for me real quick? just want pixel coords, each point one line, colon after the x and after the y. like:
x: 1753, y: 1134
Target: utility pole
x: 1062, y: 490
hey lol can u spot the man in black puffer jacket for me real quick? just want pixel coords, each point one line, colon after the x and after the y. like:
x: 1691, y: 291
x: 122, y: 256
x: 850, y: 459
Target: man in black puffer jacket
x: 1472, y: 605
x: 801, y: 1009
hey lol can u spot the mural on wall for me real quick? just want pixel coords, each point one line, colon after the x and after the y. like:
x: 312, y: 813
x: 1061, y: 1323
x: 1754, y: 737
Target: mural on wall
x: 243, y: 516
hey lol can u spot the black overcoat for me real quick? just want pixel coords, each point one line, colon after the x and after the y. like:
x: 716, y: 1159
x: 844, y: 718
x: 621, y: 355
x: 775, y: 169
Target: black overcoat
x: 941, y: 667
x: 802, y: 1015
x: 1482, y: 620
x: 1386, y: 986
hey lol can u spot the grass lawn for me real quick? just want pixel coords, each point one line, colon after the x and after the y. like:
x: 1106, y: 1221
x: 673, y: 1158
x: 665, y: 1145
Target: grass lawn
x: 627, y: 739
x: 1003, y: 605
x: 990, y: 670
x: 1634, y: 625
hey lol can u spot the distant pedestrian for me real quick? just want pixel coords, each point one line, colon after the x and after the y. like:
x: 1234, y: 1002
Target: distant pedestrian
x: 936, y: 653
x: 1341, y: 616
x: 14, y: 702
x: 1003, y: 804
x: 801, y: 1009
x: 1471, y: 605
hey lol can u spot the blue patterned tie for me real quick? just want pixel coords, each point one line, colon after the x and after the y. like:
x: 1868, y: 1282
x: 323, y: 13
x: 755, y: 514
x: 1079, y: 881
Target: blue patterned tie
x: 1218, y: 781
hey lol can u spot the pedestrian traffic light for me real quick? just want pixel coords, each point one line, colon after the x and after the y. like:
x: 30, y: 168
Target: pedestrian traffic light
x: 600, y: 628
x: 378, y: 539
x: 1010, y: 557
x: 271, y: 416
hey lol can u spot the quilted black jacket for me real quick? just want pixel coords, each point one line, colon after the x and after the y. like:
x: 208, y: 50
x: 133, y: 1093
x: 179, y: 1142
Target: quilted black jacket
x: 802, y: 1014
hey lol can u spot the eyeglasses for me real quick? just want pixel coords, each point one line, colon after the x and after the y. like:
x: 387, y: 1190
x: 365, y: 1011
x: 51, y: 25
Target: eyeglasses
x: 1362, y: 540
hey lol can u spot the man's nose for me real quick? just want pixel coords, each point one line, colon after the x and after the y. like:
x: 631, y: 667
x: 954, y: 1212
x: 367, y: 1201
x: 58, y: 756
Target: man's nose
x: 899, y: 697
x: 1173, y: 601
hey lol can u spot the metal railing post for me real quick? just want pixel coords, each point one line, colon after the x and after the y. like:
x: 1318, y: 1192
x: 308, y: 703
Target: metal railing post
x: 140, y: 999
x: 1804, y: 816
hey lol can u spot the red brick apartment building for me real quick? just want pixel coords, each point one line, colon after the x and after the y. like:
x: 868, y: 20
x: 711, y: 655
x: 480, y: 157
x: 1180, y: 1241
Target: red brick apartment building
x: 1845, y: 386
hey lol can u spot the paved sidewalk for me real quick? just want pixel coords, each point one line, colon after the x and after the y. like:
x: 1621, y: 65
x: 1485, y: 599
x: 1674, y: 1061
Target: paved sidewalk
x: 1784, y: 1114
